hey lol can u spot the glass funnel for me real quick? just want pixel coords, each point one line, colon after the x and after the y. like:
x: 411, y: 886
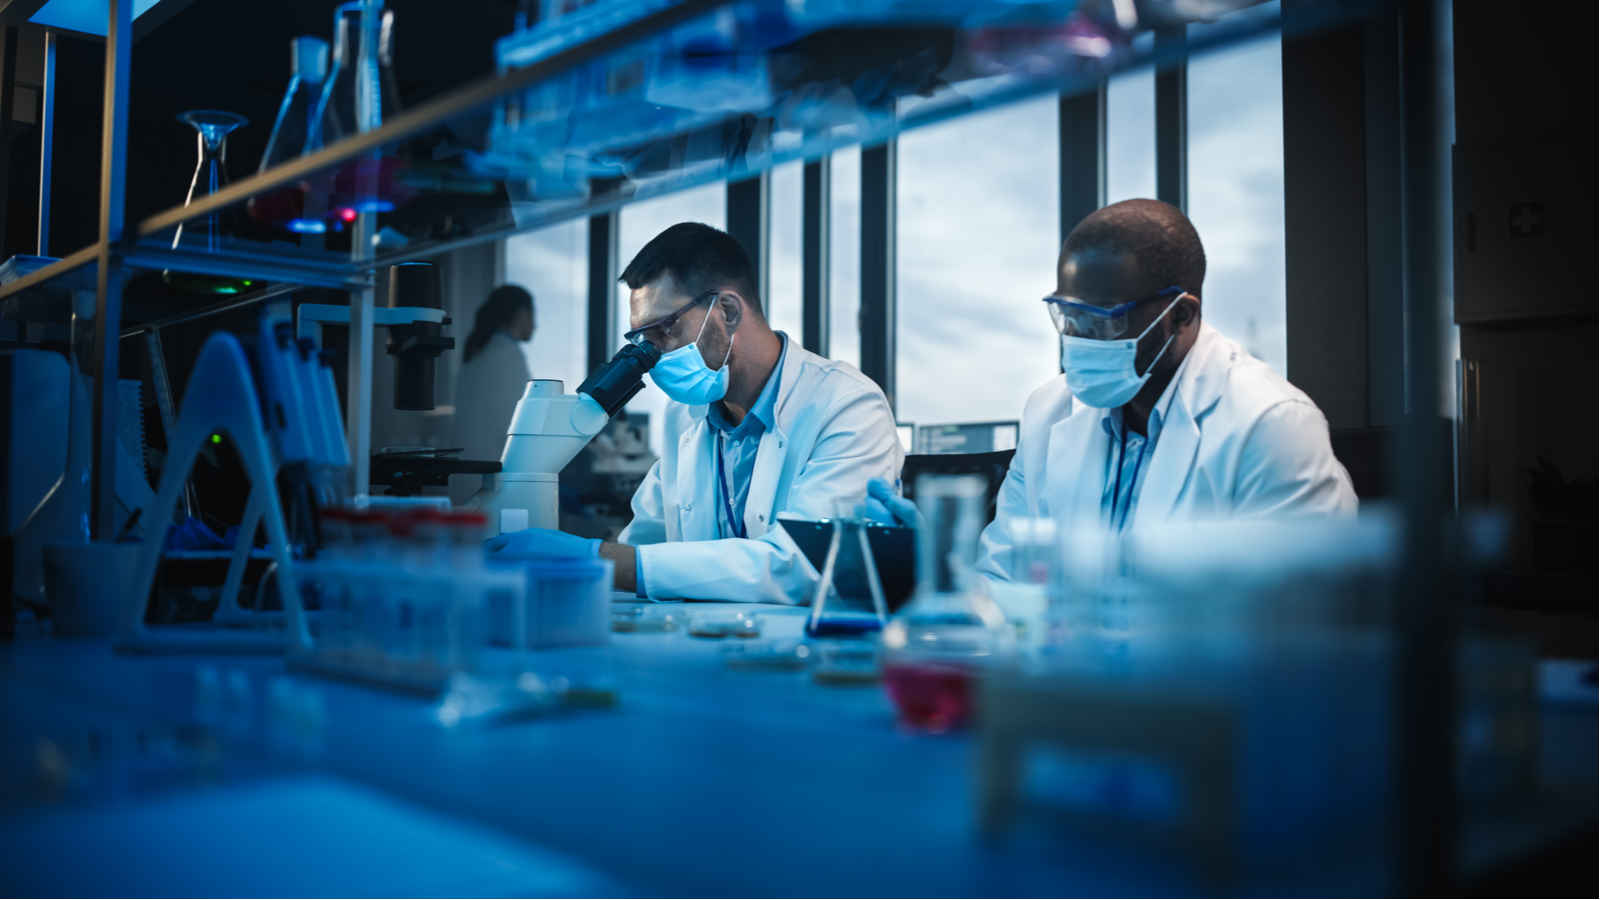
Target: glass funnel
x: 849, y: 598
x: 951, y: 630
x: 212, y: 127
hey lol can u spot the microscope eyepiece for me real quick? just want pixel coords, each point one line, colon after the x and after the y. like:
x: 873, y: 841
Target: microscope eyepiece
x: 614, y: 384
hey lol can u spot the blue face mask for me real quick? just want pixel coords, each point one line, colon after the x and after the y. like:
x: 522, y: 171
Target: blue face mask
x: 684, y: 376
x: 1102, y: 374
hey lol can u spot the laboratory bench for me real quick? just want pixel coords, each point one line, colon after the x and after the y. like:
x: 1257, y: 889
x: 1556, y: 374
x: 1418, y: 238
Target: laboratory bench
x: 132, y: 775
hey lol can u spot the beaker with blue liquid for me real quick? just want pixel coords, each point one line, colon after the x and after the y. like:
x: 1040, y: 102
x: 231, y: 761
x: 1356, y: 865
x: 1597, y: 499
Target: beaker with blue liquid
x: 849, y: 599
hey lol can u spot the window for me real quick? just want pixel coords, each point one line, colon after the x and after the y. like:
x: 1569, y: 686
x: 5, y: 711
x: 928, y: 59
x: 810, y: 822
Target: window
x: 552, y: 264
x: 1236, y: 192
x: 786, y: 201
x: 1131, y: 136
x: 978, y: 232
x: 844, y: 258
x: 640, y: 222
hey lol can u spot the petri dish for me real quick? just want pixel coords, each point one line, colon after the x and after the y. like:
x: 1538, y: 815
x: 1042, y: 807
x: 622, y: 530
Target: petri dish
x: 644, y: 619
x: 768, y: 656
x: 724, y: 625
x: 846, y: 663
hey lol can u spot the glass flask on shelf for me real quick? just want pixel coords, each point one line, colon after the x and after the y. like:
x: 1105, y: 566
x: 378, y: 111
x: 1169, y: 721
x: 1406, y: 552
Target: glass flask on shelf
x: 849, y: 599
x: 292, y: 136
x: 951, y: 631
x: 358, y: 96
x: 212, y: 127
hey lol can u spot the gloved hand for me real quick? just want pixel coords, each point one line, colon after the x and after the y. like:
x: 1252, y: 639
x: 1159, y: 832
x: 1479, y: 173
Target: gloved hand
x: 884, y: 505
x: 194, y: 534
x: 541, y: 543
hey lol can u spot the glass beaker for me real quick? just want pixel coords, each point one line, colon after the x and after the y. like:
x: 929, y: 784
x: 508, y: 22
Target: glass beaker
x: 212, y: 127
x: 1032, y: 598
x: 293, y: 136
x: 951, y: 630
x: 849, y: 598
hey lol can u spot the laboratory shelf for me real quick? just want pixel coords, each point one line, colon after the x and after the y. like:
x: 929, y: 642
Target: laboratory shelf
x: 636, y: 99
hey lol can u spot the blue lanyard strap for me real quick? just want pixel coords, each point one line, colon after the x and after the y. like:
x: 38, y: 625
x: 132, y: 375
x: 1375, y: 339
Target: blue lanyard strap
x: 727, y: 495
x: 1116, y: 490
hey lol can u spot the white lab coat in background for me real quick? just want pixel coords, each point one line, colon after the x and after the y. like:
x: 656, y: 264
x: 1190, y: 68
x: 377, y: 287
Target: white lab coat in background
x: 833, y: 433
x: 1237, y: 441
x: 487, y: 390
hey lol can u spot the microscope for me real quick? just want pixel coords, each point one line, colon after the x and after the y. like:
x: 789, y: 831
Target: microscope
x: 547, y: 430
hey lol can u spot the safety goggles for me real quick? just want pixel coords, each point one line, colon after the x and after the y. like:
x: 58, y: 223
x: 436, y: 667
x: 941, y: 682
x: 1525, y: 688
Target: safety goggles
x: 1076, y: 318
x: 637, y: 335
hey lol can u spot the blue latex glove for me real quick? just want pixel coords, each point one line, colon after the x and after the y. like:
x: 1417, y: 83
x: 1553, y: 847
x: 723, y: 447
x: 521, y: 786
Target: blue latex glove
x: 194, y: 534
x: 884, y: 505
x: 542, y: 543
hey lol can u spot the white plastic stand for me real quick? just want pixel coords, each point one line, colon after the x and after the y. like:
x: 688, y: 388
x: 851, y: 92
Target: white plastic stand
x: 229, y: 612
x: 221, y: 397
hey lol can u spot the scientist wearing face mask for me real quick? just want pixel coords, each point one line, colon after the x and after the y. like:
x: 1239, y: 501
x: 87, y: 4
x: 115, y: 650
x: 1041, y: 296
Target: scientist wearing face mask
x: 757, y: 427
x: 1158, y: 417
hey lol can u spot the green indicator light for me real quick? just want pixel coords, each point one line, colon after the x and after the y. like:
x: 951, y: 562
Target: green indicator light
x: 216, y: 439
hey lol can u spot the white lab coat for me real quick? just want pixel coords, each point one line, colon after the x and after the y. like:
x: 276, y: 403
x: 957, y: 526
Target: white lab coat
x: 1237, y: 441
x: 833, y: 433
x: 487, y: 390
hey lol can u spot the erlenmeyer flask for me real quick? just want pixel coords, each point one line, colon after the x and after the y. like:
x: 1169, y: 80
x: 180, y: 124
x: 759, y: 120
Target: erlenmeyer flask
x: 335, y: 114
x: 951, y: 630
x: 359, y: 96
x: 210, y: 173
x: 849, y: 599
x: 292, y: 136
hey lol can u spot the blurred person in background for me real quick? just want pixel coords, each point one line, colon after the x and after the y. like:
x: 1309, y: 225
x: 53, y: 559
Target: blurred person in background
x: 494, y: 373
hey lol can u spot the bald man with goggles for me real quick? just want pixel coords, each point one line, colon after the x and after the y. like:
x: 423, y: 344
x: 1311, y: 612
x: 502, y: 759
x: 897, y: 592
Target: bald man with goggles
x: 1157, y: 416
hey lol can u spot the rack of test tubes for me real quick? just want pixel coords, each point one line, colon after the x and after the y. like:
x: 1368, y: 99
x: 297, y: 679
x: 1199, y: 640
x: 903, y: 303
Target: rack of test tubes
x: 403, y: 596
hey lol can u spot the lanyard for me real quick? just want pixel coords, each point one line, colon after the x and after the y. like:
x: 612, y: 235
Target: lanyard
x: 1133, y: 481
x: 727, y: 495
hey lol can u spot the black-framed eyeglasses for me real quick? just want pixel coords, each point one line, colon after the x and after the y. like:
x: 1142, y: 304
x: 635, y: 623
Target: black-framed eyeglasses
x: 665, y: 325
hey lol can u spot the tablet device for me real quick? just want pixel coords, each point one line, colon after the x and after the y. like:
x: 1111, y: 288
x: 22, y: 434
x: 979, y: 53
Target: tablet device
x: 894, y: 550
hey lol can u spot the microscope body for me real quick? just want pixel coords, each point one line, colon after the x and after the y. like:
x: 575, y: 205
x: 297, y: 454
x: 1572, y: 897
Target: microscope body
x: 547, y: 431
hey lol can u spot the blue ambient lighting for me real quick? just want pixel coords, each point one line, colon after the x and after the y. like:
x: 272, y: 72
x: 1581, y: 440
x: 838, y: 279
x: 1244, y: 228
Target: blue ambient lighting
x: 307, y: 226
x: 87, y: 16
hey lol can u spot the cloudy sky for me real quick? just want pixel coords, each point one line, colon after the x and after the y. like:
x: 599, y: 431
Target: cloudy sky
x: 977, y: 227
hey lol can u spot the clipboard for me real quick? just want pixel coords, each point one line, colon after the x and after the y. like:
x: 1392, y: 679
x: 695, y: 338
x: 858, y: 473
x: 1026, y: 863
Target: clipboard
x: 894, y: 550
